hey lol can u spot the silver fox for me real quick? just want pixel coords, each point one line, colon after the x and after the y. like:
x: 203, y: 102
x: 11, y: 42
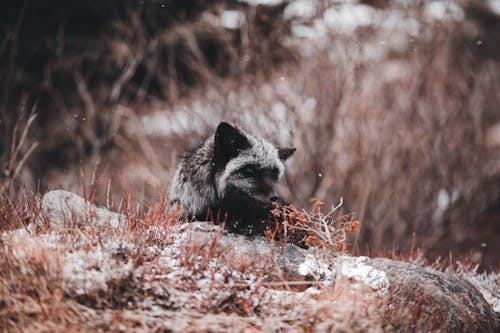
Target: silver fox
x: 231, y: 176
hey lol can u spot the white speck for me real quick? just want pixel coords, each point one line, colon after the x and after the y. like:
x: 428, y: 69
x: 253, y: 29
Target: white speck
x: 479, y: 42
x: 320, y: 175
x: 443, y: 199
x: 232, y: 19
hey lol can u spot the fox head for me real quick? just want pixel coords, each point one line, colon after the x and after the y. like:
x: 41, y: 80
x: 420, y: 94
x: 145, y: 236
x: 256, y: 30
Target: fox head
x: 246, y: 163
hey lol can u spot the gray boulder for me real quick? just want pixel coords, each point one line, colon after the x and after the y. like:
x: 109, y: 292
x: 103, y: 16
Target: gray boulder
x: 433, y: 301
x: 62, y: 208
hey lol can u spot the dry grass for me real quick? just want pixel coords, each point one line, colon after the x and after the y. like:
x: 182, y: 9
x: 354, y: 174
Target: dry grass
x: 105, y: 279
x: 400, y: 131
x: 150, y: 275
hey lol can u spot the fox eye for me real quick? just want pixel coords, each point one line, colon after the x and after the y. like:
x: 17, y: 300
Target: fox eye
x: 274, y: 173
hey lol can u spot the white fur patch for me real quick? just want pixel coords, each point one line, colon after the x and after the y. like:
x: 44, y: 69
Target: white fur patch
x: 261, y: 152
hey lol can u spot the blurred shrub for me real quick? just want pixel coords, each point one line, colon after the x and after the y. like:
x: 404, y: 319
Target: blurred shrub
x: 83, y: 63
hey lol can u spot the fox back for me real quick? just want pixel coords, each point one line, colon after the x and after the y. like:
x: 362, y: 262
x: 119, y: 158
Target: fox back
x: 231, y: 175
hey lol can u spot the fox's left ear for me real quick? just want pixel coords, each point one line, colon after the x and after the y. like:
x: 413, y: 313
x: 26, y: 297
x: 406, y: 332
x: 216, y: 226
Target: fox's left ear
x: 228, y: 143
x: 285, y: 153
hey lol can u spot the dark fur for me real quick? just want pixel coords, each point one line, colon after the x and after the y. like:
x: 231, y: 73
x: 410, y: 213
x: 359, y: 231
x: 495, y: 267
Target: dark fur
x: 230, y: 177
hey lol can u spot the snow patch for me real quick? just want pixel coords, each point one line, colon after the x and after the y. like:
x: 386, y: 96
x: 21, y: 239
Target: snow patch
x: 91, y: 270
x: 315, y: 268
x: 357, y: 269
x: 24, y: 242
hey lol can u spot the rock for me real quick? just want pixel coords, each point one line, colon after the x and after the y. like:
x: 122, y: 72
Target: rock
x: 427, y: 299
x: 293, y: 261
x: 416, y: 298
x: 434, y: 301
x: 62, y: 208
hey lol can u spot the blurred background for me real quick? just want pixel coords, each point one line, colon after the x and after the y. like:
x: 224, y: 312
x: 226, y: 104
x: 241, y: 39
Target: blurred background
x: 393, y: 105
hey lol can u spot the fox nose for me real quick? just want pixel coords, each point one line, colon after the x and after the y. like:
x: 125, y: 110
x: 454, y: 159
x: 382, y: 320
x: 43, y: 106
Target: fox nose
x: 274, y: 197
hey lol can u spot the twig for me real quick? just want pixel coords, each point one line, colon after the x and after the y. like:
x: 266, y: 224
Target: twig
x: 14, y: 167
x: 30, y: 150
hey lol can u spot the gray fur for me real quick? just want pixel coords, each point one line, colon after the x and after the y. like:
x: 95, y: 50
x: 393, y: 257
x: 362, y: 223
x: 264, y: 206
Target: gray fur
x: 199, y: 185
x: 191, y: 185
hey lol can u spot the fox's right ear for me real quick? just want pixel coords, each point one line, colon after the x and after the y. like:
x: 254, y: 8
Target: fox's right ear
x: 228, y: 143
x: 285, y: 153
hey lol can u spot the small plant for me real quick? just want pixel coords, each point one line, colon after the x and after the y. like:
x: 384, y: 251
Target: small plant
x: 316, y: 228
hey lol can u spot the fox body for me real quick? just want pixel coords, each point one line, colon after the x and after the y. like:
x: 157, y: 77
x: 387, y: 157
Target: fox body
x: 231, y: 175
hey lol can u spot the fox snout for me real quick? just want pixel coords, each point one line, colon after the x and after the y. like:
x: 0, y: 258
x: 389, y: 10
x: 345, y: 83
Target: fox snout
x: 270, y: 178
x: 267, y: 196
x: 269, y: 192
x: 274, y: 197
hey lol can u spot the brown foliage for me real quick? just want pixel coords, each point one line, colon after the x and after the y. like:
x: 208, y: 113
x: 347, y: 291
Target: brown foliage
x: 316, y: 228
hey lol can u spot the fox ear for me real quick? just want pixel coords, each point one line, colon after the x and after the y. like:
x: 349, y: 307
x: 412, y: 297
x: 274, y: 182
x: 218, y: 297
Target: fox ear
x: 228, y: 143
x: 285, y: 153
